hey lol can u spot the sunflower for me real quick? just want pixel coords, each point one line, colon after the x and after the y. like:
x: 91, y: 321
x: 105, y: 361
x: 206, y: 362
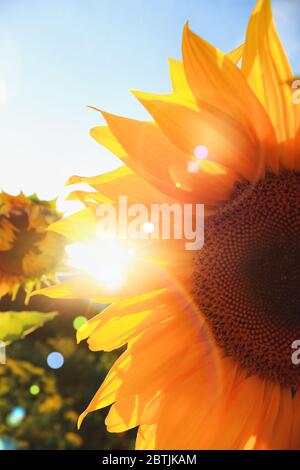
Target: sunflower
x: 208, y: 333
x: 29, y: 254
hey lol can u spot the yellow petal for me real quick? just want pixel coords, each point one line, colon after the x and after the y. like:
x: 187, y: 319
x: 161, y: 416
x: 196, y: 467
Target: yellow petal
x: 236, y: 54
x: 182, y: 93
x: 103, y: 178
x: 146, y: 437
x: 82, y: 287
x: 78, y: 226
x: 115, y: 421
x: 115, y: 332
x: 268, y: 72
x: 107, y: 393
x: 114, y: 326
x: 178, y: 98
x: 103, y: 135
x: 178, y: 79
x: 88, y: 196
x: 133, y: 411
x: 122, y: 181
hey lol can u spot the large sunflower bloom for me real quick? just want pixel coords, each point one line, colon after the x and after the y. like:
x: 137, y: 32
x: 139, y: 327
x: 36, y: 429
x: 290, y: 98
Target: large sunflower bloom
x: 208, y: 333
x: 29, y: 254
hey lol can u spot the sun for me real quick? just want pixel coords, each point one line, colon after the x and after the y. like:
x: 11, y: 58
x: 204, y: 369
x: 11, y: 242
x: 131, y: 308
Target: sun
x: 107, y: 261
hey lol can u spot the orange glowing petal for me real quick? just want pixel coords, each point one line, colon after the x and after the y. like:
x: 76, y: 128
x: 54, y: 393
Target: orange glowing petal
x: 127, y: 413
x: 295, y: 439
x: 296, y: 148
x: 266, y: 426
x: 188, y: 401
x: 216, y: 80
x: 77, y: 227
x: 223, y: 136
x: 282, y: 432
x: 137, y: 189
x: 149, y: 150
x: 152, y: 350
x: 250, y: 443
x: 116, y: 422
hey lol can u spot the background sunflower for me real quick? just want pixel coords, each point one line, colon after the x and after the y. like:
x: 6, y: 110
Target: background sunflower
x: 29, y: 253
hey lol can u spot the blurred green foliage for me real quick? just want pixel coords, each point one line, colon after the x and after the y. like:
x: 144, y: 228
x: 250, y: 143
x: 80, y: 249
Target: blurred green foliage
x: 51, y: 415
x: 16, y: 325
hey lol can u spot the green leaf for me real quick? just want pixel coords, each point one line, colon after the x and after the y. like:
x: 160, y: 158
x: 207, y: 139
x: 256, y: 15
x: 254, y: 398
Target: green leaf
x: 15, y: 325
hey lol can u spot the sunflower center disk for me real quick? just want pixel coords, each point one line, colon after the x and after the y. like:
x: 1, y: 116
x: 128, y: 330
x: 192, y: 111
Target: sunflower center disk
x: 247, y: 277
x: 25, y: 240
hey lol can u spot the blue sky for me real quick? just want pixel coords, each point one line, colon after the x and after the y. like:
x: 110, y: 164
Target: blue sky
x: 57, y: 56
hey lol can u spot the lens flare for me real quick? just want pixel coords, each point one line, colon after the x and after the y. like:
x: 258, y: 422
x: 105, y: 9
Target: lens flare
x: 107, y: 261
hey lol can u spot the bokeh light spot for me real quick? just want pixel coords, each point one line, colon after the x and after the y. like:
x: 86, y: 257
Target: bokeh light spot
x: 201, y: 152
x: 34, y: 389
x: 6, y: 443
x: 148, y: 227
x: 78, y: 322
x: 15, y: 417
x: 55, y: 360
x: 193, y: 166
